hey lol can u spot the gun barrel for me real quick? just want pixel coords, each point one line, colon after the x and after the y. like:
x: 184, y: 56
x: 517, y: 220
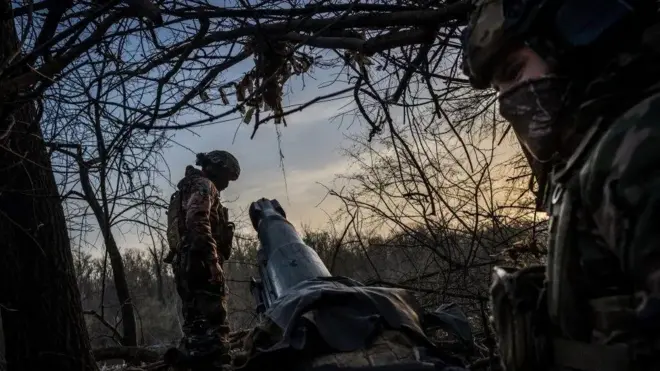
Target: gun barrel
x: 285, y: 260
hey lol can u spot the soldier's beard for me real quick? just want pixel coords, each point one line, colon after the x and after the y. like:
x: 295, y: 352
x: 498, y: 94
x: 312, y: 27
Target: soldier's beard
x: 534, y: 109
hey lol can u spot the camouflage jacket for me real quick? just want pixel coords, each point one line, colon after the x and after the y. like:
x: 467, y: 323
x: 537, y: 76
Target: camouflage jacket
x: 603, y: 283
x: 204, y: 222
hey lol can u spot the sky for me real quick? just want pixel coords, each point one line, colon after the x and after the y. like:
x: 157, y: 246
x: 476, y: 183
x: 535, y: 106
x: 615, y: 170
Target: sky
x: 311, y: 144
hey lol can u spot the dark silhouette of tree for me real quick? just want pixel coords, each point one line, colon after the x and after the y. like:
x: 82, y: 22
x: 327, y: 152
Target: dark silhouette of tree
x: 40, y: 303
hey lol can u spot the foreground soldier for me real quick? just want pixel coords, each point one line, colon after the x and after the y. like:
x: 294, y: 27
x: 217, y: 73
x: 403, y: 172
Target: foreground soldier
x: 200, y: 238
x: 579, y: 82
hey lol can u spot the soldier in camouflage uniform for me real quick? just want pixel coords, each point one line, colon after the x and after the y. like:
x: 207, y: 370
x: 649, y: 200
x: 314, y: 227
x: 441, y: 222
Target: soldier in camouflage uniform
x: 205, y: 238
x: 579, y: 82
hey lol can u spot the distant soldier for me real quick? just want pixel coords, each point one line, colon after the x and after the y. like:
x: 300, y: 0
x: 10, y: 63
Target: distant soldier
x: 579, y: 82
x: 200, y: 238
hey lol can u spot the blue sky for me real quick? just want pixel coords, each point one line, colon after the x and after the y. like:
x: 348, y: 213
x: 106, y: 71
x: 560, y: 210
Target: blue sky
x: 312, y: 148
x: 311, y: 145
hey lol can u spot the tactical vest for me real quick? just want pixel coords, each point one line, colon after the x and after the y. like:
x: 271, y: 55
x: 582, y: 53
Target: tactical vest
x: 590, y: 297
x: 222, y: 231
x: 586, y: 291
x: 175, y: 222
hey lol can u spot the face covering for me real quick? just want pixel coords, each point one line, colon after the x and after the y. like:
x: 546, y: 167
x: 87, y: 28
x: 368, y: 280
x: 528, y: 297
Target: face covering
x: 533, y: 109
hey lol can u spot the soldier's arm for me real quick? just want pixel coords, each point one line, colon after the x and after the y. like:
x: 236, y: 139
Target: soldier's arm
x: 173, y: 216
x: 198, y: 211
x: 624, y: 187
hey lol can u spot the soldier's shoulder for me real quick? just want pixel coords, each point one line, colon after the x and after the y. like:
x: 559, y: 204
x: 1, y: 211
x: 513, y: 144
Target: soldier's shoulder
x: 193, y: 178
x: 628, y: 149
x: 642, y: 116
x: 189, y: 173
x: 203, y: 185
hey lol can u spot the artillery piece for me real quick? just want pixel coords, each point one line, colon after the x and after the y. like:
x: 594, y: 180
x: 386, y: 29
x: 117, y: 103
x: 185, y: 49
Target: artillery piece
x: 311, y: 320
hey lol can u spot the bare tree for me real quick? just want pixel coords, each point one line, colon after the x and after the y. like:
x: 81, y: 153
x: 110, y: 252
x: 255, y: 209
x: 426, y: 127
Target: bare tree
x: 41, y: 311
x: 40, y: 303
x: 196, y: 60
x: 445, y: 203
x: 157, y: 254
x: 107, y: 165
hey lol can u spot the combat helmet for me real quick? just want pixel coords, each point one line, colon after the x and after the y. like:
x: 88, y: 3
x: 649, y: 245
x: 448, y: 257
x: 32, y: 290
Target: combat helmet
x: 555, y: 29
x: 221, y: 160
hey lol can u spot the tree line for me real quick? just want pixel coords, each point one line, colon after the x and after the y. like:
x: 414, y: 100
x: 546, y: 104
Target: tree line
x: 382, y: 260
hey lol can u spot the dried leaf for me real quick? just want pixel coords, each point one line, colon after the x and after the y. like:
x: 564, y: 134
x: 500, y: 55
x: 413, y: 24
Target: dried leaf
x: 223, y: 96
x: 240, y: 92
x: 301, y: 65
x: 249, y: 83
x: 306, y: 65
x: 248, y: 115
x: 252, y: 102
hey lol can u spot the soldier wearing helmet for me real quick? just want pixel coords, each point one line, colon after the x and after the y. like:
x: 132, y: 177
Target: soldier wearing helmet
x: 579, y: 82
x: 200, y: 234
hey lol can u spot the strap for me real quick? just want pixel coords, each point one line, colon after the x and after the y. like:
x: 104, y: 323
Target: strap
x: 591, y: 357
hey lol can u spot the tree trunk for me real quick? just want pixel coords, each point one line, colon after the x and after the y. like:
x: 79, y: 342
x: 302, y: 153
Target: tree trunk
x: 161, y: 289
x: 42, y: 316
x: 129, y: 325
x: 157, y: 256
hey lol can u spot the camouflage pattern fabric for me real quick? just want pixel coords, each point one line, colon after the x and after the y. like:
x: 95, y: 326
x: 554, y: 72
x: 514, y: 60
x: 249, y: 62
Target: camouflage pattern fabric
x: 603, y: 197
x: 604, y: 263
x: 389, y: 349
x: 174, y: 226
x: 533, y: 109
x: 519, y: 317
x: 621, y: 184
x: 485, y: 38
x: 198, y: 270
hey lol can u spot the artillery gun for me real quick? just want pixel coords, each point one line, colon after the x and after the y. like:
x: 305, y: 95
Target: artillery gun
x: 311, y: 320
